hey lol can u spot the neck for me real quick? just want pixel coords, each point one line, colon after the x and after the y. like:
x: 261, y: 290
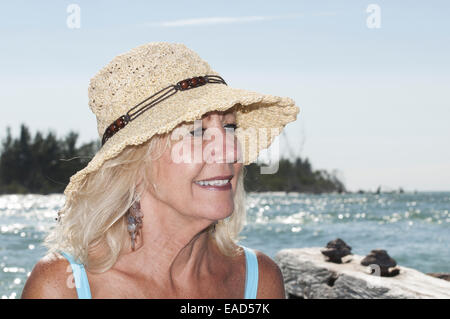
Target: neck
x: 178, y: 247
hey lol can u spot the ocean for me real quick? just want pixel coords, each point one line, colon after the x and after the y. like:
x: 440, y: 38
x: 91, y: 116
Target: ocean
x: 414, y: 228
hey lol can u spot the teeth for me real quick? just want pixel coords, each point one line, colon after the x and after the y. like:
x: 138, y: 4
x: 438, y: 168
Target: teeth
x: 216, y: 182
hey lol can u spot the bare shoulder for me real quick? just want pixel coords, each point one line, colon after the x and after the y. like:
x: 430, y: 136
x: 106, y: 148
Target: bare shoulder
x: 49, y: 279
x: 270, y: 282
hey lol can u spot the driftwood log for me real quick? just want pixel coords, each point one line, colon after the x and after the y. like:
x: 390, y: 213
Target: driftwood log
x: 307, y: 275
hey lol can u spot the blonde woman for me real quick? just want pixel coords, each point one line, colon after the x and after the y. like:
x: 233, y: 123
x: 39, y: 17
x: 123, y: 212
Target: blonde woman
x: 157, y: 212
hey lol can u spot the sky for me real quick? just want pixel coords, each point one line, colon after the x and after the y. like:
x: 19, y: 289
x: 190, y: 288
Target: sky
x: 371, y: 78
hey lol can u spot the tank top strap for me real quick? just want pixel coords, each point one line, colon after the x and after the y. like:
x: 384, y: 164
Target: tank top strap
x: 251, y: 273
x: 80, y: 277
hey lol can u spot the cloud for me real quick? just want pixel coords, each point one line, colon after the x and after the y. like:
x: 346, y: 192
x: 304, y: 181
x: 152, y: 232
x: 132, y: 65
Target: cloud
x: 218, y: 20
x: 324, y: 14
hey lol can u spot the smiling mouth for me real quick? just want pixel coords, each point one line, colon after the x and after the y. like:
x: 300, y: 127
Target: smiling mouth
x: 216, y: 183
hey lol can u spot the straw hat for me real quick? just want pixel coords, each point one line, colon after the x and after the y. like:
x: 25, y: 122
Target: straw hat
x: 136, y: 75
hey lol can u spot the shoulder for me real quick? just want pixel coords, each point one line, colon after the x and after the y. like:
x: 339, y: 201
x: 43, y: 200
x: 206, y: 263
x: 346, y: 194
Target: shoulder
x: 50, y: 278
x: 270, y: 282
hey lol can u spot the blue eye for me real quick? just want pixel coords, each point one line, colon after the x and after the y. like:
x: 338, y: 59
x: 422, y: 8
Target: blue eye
x: 201, y: 131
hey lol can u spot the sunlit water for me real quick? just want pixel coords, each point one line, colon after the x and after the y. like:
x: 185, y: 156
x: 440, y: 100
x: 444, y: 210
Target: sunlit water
x: 413, y: 228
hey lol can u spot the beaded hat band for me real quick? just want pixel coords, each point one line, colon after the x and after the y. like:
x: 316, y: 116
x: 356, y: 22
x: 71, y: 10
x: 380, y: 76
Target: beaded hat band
x: 186, y: 84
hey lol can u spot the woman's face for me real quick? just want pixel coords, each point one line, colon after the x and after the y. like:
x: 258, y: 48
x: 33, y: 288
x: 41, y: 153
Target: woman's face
x: 197, y: 175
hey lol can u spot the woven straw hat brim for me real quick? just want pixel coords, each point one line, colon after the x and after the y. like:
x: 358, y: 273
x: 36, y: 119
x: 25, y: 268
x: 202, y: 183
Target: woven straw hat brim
x: 255, y: 110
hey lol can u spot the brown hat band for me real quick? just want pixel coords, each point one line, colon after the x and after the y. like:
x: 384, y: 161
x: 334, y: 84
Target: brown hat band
x: 183, y: 85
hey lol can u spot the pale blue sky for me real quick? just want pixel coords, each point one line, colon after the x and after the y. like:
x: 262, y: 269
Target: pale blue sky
x: 374, y: 102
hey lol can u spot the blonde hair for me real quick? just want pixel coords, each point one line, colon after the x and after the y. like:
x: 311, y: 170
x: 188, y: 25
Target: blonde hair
x: 93, y: 225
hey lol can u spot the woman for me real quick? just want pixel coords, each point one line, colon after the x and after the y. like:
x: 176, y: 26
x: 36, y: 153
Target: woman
x: 157, y: 212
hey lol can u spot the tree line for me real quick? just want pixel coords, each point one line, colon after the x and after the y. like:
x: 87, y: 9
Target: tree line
x: 44, y: 165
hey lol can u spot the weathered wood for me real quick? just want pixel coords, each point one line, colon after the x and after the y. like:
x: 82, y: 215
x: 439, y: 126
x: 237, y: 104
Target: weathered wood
x: 307, y: 275
x: 441, y: 275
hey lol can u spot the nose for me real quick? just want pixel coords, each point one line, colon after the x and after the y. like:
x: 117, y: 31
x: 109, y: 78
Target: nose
x: 222, y: 146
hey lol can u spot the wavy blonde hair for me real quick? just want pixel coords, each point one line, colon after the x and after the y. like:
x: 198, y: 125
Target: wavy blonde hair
x: 93, y: 226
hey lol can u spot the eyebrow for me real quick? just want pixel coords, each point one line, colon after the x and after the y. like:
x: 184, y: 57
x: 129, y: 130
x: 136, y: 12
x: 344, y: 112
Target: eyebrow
x: 226, y: 113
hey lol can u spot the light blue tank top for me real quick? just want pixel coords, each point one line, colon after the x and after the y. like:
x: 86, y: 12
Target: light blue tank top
x: 79, y: 276
x: 251, y: 275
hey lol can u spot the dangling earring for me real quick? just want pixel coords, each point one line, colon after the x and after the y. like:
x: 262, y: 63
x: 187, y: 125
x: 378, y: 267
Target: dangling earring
x: 134, y: 219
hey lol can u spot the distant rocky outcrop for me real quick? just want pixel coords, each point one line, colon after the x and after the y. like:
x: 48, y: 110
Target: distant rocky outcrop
x: 441, y: 275
x: 308, y: 275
